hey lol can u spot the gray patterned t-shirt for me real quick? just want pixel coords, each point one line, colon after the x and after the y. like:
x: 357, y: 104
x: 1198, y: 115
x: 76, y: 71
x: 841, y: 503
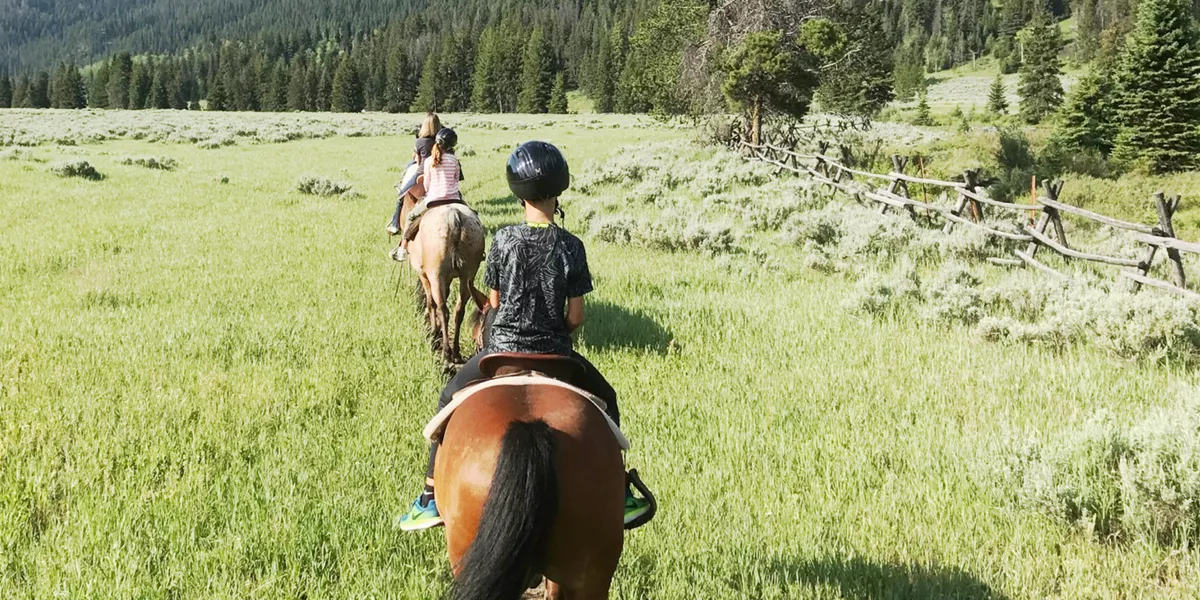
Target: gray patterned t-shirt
x: 535, y: 269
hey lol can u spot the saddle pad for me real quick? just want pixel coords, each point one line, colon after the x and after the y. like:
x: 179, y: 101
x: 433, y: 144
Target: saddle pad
x: 433, y: 431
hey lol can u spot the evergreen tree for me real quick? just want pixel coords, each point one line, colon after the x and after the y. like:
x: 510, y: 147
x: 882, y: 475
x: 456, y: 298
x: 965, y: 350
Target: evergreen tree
x: 1088, y: 120
x: 276, y: 98
x: 67, y: 89
x: 140, y: 80
x: 1159, y: 86
x: 483, y: 89
x: 39, y: 91
x: 159, y: 97
x: 426, y: 99
x: 860, y: 80
x: 98, y: 90
x: 1039, y: 87
x: 218, y: 97
x: 997, y: 103
x: 178, y: 94
x: 324, y: 101
x: 20, y: 97
x: 766, y: 74
x: 6, y: 91
x: 909, y: 74
x: 348, y: 88
x: 558, y: 96
x: 652, y: 68
x: 456, y: 74
x: 120, y: 71
x: 297, y: 99
x: 923, y: 118
x: 537, y: 74
x: 397, y: 95
x: 603, y: 86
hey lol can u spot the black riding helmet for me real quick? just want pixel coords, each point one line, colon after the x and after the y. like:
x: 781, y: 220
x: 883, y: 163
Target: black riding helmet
x: 447, y: 139
x: 537, y: 171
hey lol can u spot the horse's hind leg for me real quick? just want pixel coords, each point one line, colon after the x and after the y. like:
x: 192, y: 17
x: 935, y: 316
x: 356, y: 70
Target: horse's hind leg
x: 460, y: 309
x: 441, y: 289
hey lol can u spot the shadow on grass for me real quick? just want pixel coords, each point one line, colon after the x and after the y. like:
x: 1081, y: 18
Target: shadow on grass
x: 863, y: 579
x: 612, y: 327
x: 505, y: 208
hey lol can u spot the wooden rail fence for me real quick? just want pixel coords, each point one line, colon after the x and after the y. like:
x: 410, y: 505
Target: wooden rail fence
x: 970, y: 202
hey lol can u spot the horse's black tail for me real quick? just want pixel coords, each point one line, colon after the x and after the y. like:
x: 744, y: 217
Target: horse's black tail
x: 509, y: 545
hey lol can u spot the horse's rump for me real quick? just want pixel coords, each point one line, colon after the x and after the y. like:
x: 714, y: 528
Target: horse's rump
x: 581, y: 549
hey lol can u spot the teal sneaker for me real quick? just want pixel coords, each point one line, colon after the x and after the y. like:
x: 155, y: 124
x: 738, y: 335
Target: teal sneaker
x: 421, y: 516
x: 635, y: 508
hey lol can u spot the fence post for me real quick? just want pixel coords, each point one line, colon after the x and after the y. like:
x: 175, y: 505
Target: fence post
x: 1166, y: 210
x: 1048, y: 214
x: 898, y: 186
x: 971, y: 179
x: 1056, y: 187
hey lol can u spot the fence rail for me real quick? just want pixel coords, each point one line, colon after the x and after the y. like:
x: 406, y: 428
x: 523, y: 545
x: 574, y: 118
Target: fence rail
x: 1048, y: 232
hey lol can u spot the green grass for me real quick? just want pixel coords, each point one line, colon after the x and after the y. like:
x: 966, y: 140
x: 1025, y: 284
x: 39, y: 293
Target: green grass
x: 211, y: 390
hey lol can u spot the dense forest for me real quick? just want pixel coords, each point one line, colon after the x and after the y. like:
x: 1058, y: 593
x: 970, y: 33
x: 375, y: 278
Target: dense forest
x: 662, y: 56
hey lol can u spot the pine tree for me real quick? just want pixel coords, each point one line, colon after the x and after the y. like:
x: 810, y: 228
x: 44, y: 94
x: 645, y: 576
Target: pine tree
x: 39, y: 91
x: 860, y: 80
x: 119, y: 72
x: 765, y: 74
x: 20, y: 97
x: 6, y: 91
x: 997, y: 104
x: 603, y: 78
x: 297, y: 99
x: 177, y: 89
x: 1159, y: 87
x: 923, y: 117
x: 324, y: 97
x: 218, y: 97
x: 140, y: 79
x: 483, y: 89
x: 158, y: 97
x: 1039, y: 87
x: 909, y: 75
x: 98, y: 90
x: 558, y: 96
x: 426, y: 99
x: 537, y: 74
x: 276, y: 98
x: 347, y: 88
x: 1088, y: 120
x: 455, y: 77
x: 397, y: 95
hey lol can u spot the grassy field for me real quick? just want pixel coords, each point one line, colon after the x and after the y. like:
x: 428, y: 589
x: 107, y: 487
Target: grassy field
x: 210, y: 389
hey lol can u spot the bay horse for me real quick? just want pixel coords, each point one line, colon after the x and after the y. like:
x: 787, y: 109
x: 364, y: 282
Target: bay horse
x: 530, y: 485
x: 448, y: 246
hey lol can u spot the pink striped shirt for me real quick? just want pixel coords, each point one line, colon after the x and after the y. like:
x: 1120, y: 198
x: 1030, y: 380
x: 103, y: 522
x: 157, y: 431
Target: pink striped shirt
x: 441, y: 182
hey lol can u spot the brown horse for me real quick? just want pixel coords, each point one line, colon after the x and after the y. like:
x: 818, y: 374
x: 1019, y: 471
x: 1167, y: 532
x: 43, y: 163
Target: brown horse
x: 530, y: 485
x: 448, y: 246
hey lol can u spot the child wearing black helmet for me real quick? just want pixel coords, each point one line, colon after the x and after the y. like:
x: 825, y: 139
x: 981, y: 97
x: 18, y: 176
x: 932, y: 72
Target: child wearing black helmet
x: 538, y: 274
x: 441, y: 175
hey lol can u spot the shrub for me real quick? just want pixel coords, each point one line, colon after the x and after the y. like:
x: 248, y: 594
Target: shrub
x: 162, y: 163
x: 1116, y: 482
x: 877, y: 293
x: 320, y: 186
x: 75, y: 168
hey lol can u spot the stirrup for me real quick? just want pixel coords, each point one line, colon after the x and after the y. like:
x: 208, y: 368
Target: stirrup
x: 632, y: 478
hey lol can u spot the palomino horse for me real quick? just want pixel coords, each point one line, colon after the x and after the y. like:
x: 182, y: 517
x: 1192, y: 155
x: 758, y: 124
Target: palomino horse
x: 530, y: 485
x: 448, y: 246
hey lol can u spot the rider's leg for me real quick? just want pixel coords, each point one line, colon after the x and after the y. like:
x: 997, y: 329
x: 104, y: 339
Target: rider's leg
x: 593, y: 381
x: 423, y: 513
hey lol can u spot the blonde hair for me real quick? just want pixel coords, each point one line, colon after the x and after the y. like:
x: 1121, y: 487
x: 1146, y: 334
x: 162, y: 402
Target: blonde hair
x: 431, y: 126
x: 438, y: 152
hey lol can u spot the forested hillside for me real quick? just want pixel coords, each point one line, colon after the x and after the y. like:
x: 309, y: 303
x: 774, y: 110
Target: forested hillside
x: 661, y: 56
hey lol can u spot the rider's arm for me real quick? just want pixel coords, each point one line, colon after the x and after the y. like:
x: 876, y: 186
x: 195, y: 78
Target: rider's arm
x: 574, y: 313
x: 494, y: 298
